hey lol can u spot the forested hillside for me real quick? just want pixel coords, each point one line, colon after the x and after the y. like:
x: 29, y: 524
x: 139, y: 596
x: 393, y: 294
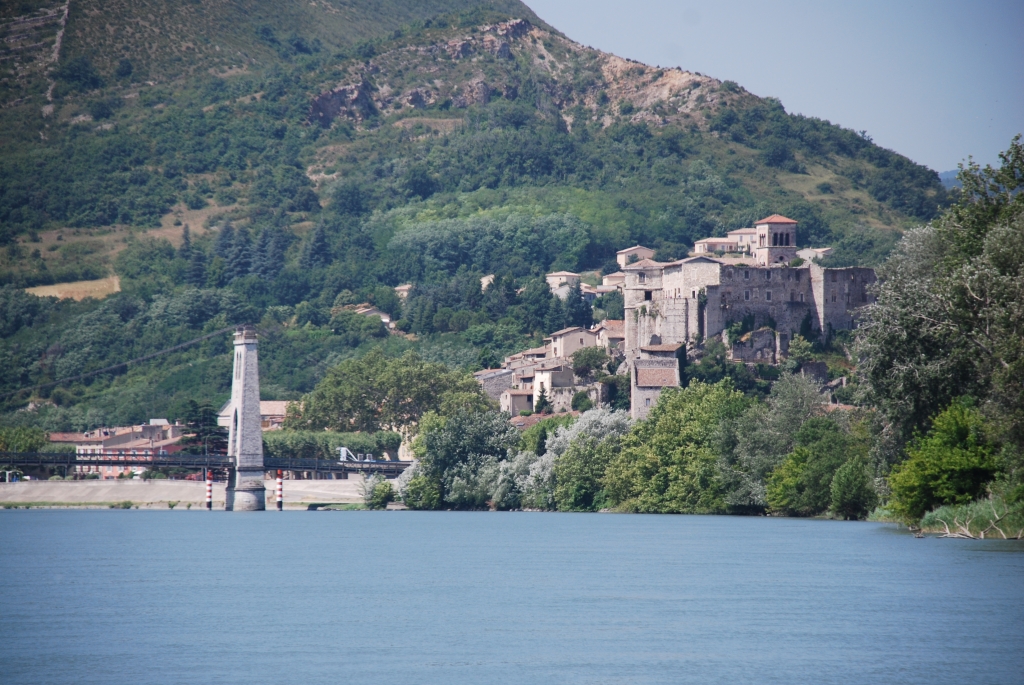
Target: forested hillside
x: 275, y: 162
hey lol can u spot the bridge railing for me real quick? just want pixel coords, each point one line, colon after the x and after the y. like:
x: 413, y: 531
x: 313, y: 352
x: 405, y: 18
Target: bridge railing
x: 68, y: 459
x: 305, y: 464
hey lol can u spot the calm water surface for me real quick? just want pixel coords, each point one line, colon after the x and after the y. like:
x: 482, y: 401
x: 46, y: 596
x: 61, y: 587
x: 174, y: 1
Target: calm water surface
x: 407, y: 597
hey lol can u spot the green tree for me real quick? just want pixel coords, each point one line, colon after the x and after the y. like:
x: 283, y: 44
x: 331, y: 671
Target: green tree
x: 587, y: 360
x: 802, y: 484
x: 381, y: 493
x: 185, y: 251
x: 543, y: 404
x: 800, y: 350
x: 613, y: 305
x: 460, y: 453
x: 949, y: 316
x: 239, y: 262
x: 196, y: 274
x: 581, y: 401
x: 579, y: 473
x: 577, y: 311
x: 23, y: 439
x: 204, y: 436
x: 952, y: 464
x: 668, y: 463
x: 853, y: 494
x: 422, y: 492
x: 375, y: 393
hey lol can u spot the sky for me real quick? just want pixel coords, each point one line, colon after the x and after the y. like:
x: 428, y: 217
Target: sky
x: 934, y: 80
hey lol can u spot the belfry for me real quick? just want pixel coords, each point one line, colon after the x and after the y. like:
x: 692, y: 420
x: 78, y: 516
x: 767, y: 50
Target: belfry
x: 245, y: 490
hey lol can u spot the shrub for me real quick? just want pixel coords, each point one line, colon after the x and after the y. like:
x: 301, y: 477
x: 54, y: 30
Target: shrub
x: 991, y: 518
x: 853, y: 493
x: 381, y: 493
x: 587, y: 360
x: 422, y: 493
x: 952, y: 464
x: 581, y: 401
x: 579, y: 472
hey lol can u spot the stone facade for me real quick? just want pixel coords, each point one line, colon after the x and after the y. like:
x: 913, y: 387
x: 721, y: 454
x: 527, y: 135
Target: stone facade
x: 494, y: 381
x: 762, y: 346
x: 693, y: 299
x: 656, y: 368
x: 245, y: 492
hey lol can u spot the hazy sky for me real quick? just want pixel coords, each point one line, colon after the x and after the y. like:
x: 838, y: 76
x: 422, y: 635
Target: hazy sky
x: 935, y: 80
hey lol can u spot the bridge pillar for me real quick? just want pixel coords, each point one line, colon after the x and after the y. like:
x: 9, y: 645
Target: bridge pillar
x: 245, y: 491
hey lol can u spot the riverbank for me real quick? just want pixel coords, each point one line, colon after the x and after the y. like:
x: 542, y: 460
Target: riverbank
x: 161, y: 494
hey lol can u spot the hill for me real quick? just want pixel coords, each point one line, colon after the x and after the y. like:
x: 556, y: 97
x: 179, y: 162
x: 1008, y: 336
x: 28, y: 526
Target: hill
x: 321, y: 153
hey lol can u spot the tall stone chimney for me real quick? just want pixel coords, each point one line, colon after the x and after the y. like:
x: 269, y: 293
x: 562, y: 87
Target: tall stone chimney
x: 245, y: 491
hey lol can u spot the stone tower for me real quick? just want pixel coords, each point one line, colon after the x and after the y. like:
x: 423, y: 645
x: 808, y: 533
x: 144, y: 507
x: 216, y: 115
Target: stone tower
x: 245, y: 491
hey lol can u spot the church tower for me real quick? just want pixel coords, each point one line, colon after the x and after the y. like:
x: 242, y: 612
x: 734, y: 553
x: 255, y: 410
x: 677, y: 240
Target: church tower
x: 245, y: 491
x: 776, y: 241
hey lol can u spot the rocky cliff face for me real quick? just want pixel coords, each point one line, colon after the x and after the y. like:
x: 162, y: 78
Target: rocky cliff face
x: 503, y: 59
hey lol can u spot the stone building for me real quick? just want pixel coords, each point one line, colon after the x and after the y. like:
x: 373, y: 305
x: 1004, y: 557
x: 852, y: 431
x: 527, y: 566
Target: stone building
x: 636, y: 253
x: 690, y: 300
x: 655, y: 369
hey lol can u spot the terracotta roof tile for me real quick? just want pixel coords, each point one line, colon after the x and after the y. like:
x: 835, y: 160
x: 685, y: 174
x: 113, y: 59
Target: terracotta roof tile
x: 775, y: 219
x: 655, y: 378
x: 634, y: 249
x: 665, y: 347
x: 643, y: 264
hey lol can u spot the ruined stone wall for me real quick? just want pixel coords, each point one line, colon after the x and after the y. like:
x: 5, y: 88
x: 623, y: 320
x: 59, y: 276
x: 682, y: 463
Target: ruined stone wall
x: 779, y: 297
x: 839, y: 293
x: 758, y: 346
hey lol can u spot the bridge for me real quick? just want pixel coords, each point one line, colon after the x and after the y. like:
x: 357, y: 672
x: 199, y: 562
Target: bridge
x: 245, y: 465
x: 215, y: 462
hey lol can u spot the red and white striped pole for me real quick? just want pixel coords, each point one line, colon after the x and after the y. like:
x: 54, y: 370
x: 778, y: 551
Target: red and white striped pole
x: 209, y: 490
x: 280, y: 491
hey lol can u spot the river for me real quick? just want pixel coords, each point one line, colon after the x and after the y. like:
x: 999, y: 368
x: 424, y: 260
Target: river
x: 307, y: 598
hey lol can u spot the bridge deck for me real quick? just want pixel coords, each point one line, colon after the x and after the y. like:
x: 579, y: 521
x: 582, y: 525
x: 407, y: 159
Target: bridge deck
x: 197, y: 461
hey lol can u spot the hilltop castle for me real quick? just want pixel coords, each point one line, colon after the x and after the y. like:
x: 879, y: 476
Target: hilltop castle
x: 671, y: 304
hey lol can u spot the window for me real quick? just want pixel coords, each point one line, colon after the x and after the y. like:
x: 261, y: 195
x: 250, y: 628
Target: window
x: 801, y: 297
x: 797, y: 276
x: 833, y: 295
x: 581, y: 341
x: 693, y: 294
x: 746, y: 294
x: 642, y: 277
x: 768, y: 295
x: 647, y: 295
x: 647, y: 401
x: 767, y: 275
x: 746, y: 275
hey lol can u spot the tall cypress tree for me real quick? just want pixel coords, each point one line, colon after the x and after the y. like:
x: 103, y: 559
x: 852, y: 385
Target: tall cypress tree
x: 577, y: 311
x: 225, y: 241
x: 196, y: 274
x: 185, y: 251
x: 240, y: 260
x: 273, y: 261
x: 259, y: 253
x: 555, y: 318
x: 316, y: 252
